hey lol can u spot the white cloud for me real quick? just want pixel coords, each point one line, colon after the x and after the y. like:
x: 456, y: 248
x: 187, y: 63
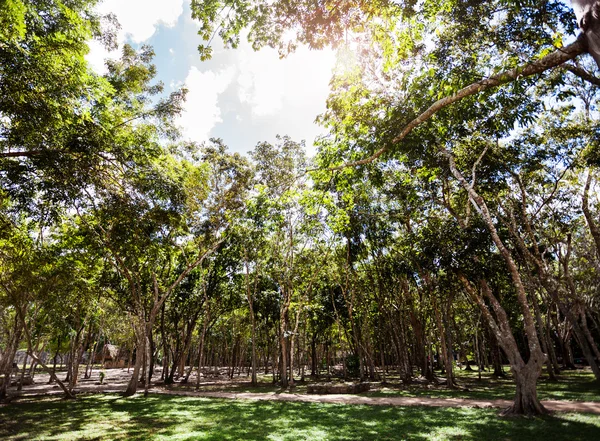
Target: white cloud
x: 97, y: 55
x: 270, y: 84
x: 138, y: 20
x: 175, y: 84
x: 261, y: 81
x: 202, y: 111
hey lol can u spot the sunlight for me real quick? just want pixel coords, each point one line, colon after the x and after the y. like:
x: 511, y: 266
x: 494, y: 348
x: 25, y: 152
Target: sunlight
x: 345, y: 59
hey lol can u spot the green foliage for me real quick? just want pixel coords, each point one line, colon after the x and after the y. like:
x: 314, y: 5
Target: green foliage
x: 317, y: 24
x: 63, y: 128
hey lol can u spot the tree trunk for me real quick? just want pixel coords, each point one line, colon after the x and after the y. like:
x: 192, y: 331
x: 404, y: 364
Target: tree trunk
x: 68, y: 393
x: 526, y: 401
x: 6, y: 363
x: 54, y: 363
x: 20, y: 383
x: 525, y: 374
x: 594, y: 230
x: 254, y: 367
x: 77, y: 354
x: 446, y: 343
x: 283, y: 317
x: 89, y: 366
x: 313, y: 356
x: 148, y: 358
x: 139, y: 358
x: 552, y: 352
x: 543, y: 340
x: 201, y: 348
x: 588, y: 334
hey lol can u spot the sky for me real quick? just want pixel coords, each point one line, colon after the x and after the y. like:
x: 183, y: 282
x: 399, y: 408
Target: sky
x: 241, y: 96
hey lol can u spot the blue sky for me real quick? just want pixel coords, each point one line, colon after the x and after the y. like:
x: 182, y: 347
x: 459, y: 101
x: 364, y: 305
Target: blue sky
x: 241, y: 96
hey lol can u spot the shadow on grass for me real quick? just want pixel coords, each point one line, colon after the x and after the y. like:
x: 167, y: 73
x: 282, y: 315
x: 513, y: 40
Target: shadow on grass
x: 106, y: 417
x: 577, y: 385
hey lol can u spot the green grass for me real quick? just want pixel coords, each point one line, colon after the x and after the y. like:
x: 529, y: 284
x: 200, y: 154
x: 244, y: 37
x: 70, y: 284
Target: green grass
x: 109, y: 417
x: 577, y: 385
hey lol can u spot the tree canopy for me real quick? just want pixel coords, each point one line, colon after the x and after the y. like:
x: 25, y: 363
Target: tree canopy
x: 449, y: 214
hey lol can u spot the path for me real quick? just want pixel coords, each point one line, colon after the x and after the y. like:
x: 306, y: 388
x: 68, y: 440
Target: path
x: 90, y: 387
x: 552, y: 405
x: 117, y: 382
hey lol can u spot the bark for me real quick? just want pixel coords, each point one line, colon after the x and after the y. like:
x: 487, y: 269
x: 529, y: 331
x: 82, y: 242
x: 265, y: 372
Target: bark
x: 68, y: 393
x: 552, y: 353
x: 176, y: 355
x: 313, y: 356
x: 20, y: 384
x: 165, y: 345
x: 478, y: 353
x: 90, y: 363
x: 201, y: 347
x: 585, y: 205
x: 250, y: 298
x: 283, y: 347
x: 382, y: 362
x: 6, y: 362
x: 150, y: 352
x: 496, y: 357
x: 588, y: 334
x: 550, y: 61
x: 525, y: 374
x: 140, y: 336
x: 446, y: 344
x: 77, y: 348
x: 547, y: 280
x: 54, y: 361
x: 543, y: 340
x: 526, y: 401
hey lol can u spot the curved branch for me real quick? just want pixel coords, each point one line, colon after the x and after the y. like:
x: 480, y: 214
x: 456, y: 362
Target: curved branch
x: 583, y: 74
x: 550, y: 61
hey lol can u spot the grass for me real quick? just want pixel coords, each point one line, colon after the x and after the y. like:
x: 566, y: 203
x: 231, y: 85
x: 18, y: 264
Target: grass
x: 577, y: 385
x: 109, y: 417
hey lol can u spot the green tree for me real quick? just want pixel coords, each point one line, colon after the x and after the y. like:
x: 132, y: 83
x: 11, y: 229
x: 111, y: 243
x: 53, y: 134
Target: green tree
x: 62, y: 127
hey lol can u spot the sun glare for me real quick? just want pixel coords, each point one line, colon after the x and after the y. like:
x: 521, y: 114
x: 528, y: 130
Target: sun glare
x: 345, y: 60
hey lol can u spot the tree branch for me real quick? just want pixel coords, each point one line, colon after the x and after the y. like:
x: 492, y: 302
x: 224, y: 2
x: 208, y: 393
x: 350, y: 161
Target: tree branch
x: 22, y: 154
x: 583, y: 74
x: 550, y: 61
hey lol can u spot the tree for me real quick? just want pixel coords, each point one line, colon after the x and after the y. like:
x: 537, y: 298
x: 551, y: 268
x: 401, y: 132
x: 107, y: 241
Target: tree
x: 182, y: 212
x: 588, y: 19
x: 62, y: 126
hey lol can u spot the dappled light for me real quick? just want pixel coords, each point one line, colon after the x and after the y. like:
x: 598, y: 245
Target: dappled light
x: 154, y: 417
x: 299, y: 219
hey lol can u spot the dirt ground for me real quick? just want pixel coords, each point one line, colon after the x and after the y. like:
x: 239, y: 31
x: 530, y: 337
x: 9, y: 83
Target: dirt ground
x: 115, y: 381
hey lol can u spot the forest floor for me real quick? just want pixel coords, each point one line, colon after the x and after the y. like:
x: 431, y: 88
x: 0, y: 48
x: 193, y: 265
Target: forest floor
x: 576, y: 391
x: 170, y: 418
x: 231, y: 409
